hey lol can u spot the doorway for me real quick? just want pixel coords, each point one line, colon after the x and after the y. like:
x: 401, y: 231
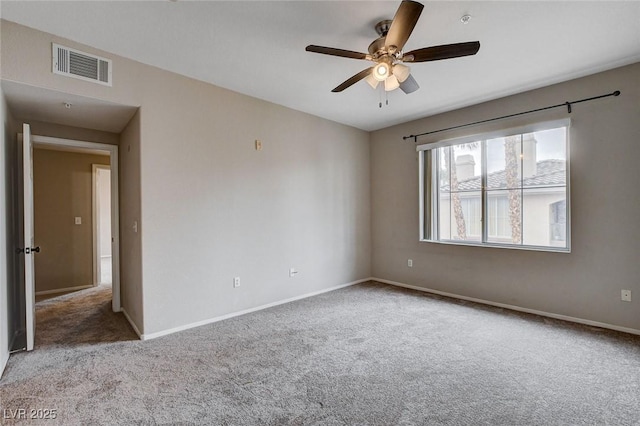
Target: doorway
x: 112, y: 237
x: 108, y: 182
x: 64, y: 223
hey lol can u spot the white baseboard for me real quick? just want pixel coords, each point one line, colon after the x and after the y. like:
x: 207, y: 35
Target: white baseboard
x: 247, y: 311
x: 62, y: 290
x: 513, y: 307
x: 133, y: 324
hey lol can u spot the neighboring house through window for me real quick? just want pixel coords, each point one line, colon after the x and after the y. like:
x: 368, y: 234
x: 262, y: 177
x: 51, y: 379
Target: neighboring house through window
x: 558, y: 221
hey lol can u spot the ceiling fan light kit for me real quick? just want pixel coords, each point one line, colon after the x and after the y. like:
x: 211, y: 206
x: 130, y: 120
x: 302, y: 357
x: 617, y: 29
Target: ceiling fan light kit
x: 372, y: 81
x: 386, y: 52
x: 381, y: 71
x: 401, y: 72
x: 391, y: 83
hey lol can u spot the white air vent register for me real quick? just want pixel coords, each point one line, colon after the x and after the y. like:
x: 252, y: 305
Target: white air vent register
x: 85, y: 66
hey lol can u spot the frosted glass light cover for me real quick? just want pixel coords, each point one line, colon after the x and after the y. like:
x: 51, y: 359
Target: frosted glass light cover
x: 372, y: 81
x: 391, y: 83
x: 401, y: 72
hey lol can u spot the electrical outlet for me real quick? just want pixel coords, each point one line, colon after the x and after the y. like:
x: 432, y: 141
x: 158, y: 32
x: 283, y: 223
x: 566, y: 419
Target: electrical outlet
x: 625, y: 295
x: 410, y: 263
x: 236, y: 282
x: 78, y: 220
x: 292, y: 272
x: 258, y: 145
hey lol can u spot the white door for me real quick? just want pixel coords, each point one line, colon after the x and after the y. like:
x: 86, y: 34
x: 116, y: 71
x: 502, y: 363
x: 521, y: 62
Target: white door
x: 30, y: 249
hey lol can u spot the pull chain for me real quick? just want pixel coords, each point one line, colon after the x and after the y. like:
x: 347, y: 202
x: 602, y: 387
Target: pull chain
x: 386, y: 96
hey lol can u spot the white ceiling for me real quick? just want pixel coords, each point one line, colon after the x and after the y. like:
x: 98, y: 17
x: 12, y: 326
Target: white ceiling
x: 257, y: 48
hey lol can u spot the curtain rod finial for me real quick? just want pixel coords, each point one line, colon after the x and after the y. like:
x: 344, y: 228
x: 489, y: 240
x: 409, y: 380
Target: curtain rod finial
x: 616, y: 93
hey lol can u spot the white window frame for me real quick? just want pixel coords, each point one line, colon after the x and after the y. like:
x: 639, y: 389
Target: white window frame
x: 430, y: 222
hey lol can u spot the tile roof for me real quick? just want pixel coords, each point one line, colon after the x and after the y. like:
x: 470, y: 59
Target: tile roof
x: 549, y: 173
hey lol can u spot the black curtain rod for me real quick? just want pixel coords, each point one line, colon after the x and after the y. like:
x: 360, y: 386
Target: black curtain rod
x: 567, y: 104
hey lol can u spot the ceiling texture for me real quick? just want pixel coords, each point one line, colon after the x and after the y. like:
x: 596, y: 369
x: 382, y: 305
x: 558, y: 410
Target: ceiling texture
x: 258, y: 48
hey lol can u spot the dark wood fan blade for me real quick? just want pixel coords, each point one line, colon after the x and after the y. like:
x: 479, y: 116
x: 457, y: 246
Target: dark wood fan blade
x: 353, y: 80
x: 446, y: 51
x: 410, y: 85
x: 336, y: 52
x: 403, y: 24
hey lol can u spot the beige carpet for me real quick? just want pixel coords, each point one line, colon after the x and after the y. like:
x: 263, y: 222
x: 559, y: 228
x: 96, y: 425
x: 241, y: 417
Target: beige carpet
x: 369, y: 354
x: 80, y: 317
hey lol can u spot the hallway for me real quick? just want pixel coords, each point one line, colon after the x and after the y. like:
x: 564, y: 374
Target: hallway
x: 81, y: 317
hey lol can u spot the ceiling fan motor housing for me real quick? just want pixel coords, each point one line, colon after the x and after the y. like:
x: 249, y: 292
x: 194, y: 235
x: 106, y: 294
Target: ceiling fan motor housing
x: 382, y: 27
x: 378, y: 48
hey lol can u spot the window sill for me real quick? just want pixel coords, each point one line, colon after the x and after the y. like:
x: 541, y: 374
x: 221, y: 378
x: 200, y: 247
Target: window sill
x: 500, y: 246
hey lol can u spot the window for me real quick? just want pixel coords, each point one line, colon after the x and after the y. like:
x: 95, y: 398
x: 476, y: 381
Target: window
x: 507, y: 189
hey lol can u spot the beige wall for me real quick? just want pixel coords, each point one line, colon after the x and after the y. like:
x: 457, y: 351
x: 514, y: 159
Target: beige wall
x: 212, y: 207
x: 62, y: 188
x: 303, y: 202
x: 26, y: 58
x: 130, y: 208
x: 605, y: 207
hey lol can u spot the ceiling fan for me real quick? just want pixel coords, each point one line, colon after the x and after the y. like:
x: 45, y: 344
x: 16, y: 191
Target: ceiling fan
x: 386, y: 52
